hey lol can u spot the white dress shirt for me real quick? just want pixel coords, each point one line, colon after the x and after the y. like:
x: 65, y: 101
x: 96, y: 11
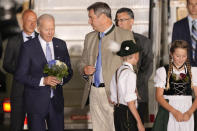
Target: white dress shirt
x: 190, y: 23
x: 43, y: 45
x: 126, y: 85
x: 25, y: 36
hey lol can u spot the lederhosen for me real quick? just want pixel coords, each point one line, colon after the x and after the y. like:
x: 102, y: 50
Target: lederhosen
x: 176, y: 88
x: 123, y: 118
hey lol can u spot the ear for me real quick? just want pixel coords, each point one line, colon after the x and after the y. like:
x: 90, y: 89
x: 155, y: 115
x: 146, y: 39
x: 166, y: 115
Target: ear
x: 38, y: 28
x: 132, y: 21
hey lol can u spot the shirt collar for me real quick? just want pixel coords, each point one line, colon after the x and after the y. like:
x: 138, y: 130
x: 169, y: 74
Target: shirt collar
x: 42, y: 41
x: 128, y: 64
x: 108, y: 29
x: 191, y: 19
x: 26, y: 35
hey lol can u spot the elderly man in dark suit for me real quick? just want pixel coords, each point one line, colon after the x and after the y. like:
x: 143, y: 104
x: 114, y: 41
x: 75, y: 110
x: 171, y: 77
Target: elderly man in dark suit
x: 185, y: 29
x: 41, y: 101
x: 10, y: 62
x: 99, y: 63
x: 125, y: 19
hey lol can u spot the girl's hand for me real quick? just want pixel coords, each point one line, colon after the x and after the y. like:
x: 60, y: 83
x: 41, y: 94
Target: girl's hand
x: 178, y: 115
x: 140, y: 127
x: 186, y: 116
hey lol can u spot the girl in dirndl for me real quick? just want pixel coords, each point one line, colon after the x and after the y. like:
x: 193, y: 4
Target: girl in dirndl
x: 174, y: 85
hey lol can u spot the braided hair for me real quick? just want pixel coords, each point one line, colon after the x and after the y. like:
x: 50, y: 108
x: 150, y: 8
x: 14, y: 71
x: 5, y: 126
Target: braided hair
x: 178, y: 44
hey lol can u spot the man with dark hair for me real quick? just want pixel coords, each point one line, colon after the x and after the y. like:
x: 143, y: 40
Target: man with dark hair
x: 125, y: 19
x: 185, y: 29
x: 10, y: 62
x: 99, y: 63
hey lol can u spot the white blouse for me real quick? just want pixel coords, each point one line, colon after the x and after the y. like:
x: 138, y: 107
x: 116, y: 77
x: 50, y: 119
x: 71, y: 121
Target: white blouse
x: 160, y: 77
x: 126, y: 85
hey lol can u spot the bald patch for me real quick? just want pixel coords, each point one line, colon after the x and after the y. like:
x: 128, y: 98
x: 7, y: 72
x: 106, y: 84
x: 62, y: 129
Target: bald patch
x: 27, y: 13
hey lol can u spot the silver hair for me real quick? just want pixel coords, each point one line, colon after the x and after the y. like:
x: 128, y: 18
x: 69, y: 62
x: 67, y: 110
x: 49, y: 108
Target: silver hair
x: 44, y: 16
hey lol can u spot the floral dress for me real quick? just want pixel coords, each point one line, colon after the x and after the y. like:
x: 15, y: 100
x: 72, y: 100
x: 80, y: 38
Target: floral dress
x: 179, y: 94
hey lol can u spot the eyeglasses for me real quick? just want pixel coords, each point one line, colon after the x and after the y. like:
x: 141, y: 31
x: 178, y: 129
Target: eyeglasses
x: 121, y: 20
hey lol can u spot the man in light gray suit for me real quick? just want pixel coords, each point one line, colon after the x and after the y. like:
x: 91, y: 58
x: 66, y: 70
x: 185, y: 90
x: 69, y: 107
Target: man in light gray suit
x: 98, y: 63
x: 125, y: 19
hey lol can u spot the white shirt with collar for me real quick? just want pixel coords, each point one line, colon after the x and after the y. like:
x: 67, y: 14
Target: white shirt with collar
x: 190, y: 19
x: 101, y: 75
x: 126, y: 85
x: 25, y: 36
x: 43, y: 45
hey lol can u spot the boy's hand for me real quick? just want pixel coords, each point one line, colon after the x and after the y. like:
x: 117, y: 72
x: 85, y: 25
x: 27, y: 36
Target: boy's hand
x: 140, y: 127
x: 110, y: 101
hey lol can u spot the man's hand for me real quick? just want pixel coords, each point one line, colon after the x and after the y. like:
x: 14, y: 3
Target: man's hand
x: 51, y: 81
x: 89, y: 70
x: 140, y: 127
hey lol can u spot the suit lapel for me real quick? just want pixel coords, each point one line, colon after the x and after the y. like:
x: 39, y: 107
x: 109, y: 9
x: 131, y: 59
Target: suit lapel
x: 40, y: 50
x: 94, y: 49
x: 187, y: 29
x: 56, y: 49
x: 21, y: 38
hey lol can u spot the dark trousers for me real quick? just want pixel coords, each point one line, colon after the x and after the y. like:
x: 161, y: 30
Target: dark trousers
x: 143, y: 110
x: 54, y: 120
x: 123, y: 119
x: 17, y: 114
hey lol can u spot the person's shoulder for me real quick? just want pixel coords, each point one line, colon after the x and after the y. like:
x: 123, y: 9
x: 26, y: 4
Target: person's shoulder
x: 181, y: 21
x: 15, y: 37
x: 161, y: 69
x: 122, y: 31
x: 140, y: 36
x: 127, y: 71
x: 55, y: 39
x: 92, y: 33
x: 123, y: 34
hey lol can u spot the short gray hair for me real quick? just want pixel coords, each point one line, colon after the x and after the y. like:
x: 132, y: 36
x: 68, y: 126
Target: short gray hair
x: 44, y: 16
x: 101, y: 8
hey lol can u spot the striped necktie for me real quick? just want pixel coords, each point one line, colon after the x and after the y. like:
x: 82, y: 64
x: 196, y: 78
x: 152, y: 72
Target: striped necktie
x: 98, y: 63
x: 194, y: 39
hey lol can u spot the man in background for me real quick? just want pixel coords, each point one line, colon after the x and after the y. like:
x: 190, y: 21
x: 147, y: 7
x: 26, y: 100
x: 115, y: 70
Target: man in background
x: 185, y: 29
x: 125, y: 19
x: 99, y: 63
x: 10, y: 62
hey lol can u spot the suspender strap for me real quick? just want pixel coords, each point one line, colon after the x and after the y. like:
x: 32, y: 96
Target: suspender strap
x: 117, y: 77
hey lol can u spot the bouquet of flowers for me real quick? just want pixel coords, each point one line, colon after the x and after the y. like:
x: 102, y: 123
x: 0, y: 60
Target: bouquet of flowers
x: 56, y: 68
